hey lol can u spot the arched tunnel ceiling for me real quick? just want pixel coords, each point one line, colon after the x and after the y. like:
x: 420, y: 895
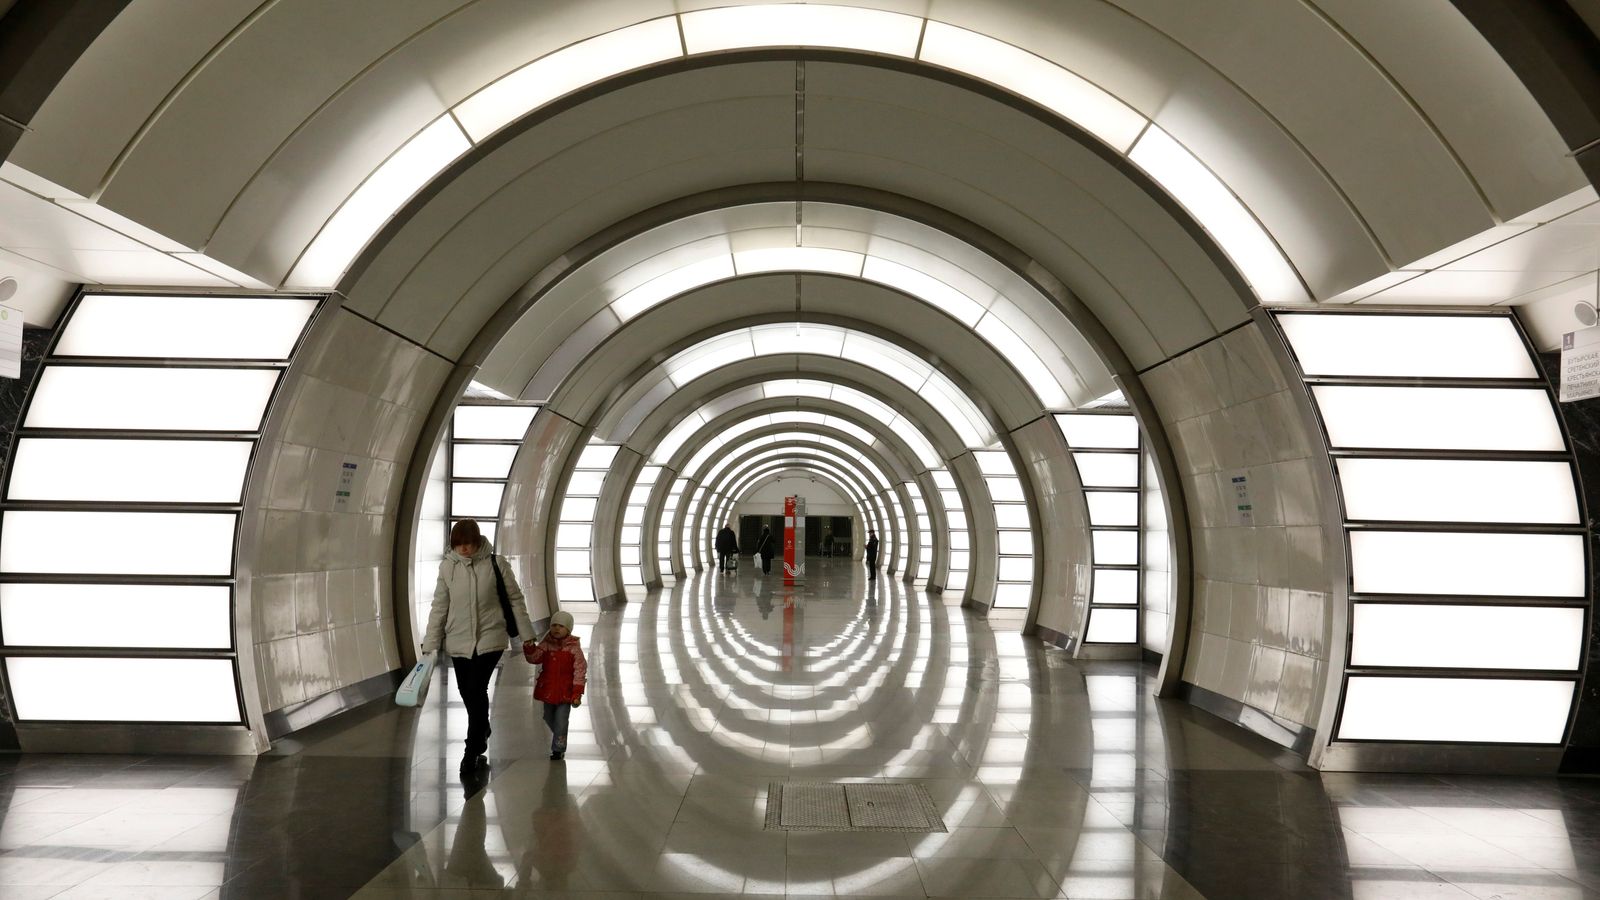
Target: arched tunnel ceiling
x: 1358, y: 149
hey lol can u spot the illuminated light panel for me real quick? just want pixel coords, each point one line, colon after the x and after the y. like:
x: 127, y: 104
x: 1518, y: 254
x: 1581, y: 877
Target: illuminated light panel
x: 125, y: 543
x: 1039, y: 80
x: 161, y: 399
x: 129, y: 471
x: 1112, y: 626
x: 470, y: 499
x: 664, y: 287
x: 124, y: 690
x: 1203, y: 194
x: 254, y: 328
x: 493, y: 423
x: 566, y: 70
x: 1099, y: 432
x: 378, y: 198
x: 1113, y: 507
x: 797, y: 25
x: 1119, y: 587
x: 1439, y: 418
x: 1466, y: 637
x: 1459, y: 490
x: 1108, y: 469
x: 117, y: 615
x: 1116, y: 548
x: 924, y: 287
x: 1470, y: 710
x: 482, y: 460
x: 1016, y: 351
x: 1407, y: 346
x: 799, y: 259
x: 1012, y: 596
x: 1467, y: 563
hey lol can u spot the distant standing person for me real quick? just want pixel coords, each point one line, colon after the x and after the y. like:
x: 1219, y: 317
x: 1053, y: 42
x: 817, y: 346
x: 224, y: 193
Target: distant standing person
x: 727, y: 548
x: 872, y: 553
x: 827, y: 542
x: 563, y: 672
x: 474, y: 601
x: 766, y: 548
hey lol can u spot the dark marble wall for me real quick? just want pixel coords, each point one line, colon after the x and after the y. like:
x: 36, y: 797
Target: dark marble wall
x: 13, y: 399
x: 1582, y: 420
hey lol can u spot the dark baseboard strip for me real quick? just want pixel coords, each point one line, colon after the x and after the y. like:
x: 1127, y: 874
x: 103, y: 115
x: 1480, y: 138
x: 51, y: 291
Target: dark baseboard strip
x: 301, y: 715
x: 1289, y: 735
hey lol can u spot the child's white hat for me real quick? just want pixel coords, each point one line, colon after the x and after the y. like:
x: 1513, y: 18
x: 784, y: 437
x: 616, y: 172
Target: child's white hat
x: 562, y: 618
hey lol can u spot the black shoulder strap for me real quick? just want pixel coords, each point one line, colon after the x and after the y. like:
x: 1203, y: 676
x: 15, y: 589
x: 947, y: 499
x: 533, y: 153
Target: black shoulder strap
x: 505, y: 599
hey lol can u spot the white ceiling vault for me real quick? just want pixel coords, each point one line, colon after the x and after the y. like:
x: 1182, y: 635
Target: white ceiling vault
x: 1376, y: 152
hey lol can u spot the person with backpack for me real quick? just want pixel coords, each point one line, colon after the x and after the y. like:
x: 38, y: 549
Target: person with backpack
x: 563, y: 672
x: 477, y: 609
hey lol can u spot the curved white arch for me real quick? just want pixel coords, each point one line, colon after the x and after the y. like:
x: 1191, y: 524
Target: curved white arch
x: 1034, y: 78
x: 786, y: 338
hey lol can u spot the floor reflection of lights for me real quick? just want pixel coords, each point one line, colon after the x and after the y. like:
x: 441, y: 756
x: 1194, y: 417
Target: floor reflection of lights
x: 1054, y: 777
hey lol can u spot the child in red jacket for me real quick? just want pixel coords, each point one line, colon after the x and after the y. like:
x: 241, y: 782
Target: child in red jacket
x: 562, y: 674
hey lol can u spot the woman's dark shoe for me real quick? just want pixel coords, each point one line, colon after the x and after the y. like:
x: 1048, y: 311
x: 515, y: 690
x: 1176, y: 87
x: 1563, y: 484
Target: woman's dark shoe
x: 558, y: 755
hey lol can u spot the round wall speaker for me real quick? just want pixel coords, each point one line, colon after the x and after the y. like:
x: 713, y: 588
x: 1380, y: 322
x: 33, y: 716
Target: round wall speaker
x: 8, y: 288
x: 1585, y: 313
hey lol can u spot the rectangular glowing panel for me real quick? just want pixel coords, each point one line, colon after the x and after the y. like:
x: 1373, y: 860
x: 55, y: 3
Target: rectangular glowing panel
x: 383, y: 193
x: 575, y: 590
x: 1005, y: 490
x: 1106, y: 432
x: 1408, y: 346
x: 1113, y: 507
x: 1119, y: 587
x: 1016, y: 543
x: 955, y: 580
x: 124, y: 690
x: 1221, y: 212
x: 1108, y: 469
x: 116, y: 615
x: 160, y: 399
x: 1459, y: 490
x: 632, y: 534
x: 629, y: 555
x: 924, y: 570
x: 574, y: 535
x: 597, y: 456
x: 1116, y: 548
x: 1466, y: 563
x: 632, y: 576
x: 478, y: 501
x: 578, y: 510
x: 798, y: 259
x: 1468, y: 710
x: 1439, y: 418
x: 958, y: 540
x: 123, y: 543
x: 1035, y: 78
x: 1012, y: 596
x: 572, y: 562
x: 1112, y: 626
x: 1466, y: 637
x: 951, y: 499
x: 566, y: 70
x: 585, y: 484
x: 254, y: 328
x: 801, y: 25
x: 960, y: 560
x: 1016, y: 568
x: 482, y: 460
x: 1011, y: 516
x: 129, y: 470
x: 493, y: 423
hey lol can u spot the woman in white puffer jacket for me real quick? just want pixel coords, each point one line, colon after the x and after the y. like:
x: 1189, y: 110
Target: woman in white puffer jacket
x: 468, y: 620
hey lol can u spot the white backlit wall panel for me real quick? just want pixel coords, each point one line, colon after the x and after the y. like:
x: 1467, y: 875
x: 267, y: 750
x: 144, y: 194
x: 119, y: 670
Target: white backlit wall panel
x: 959, y: 559
x: 119, y: 527
x: 631, y: 547
x: 1469, y: 582
x: 484, y: 438
x: 919, y: 506
x: 1105, y: 447
x: 574, y: 545
x: 1014, y: 546
x: 669, y: 524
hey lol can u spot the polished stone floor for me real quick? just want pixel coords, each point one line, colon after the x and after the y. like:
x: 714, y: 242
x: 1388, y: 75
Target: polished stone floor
x: 1055, y: 778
